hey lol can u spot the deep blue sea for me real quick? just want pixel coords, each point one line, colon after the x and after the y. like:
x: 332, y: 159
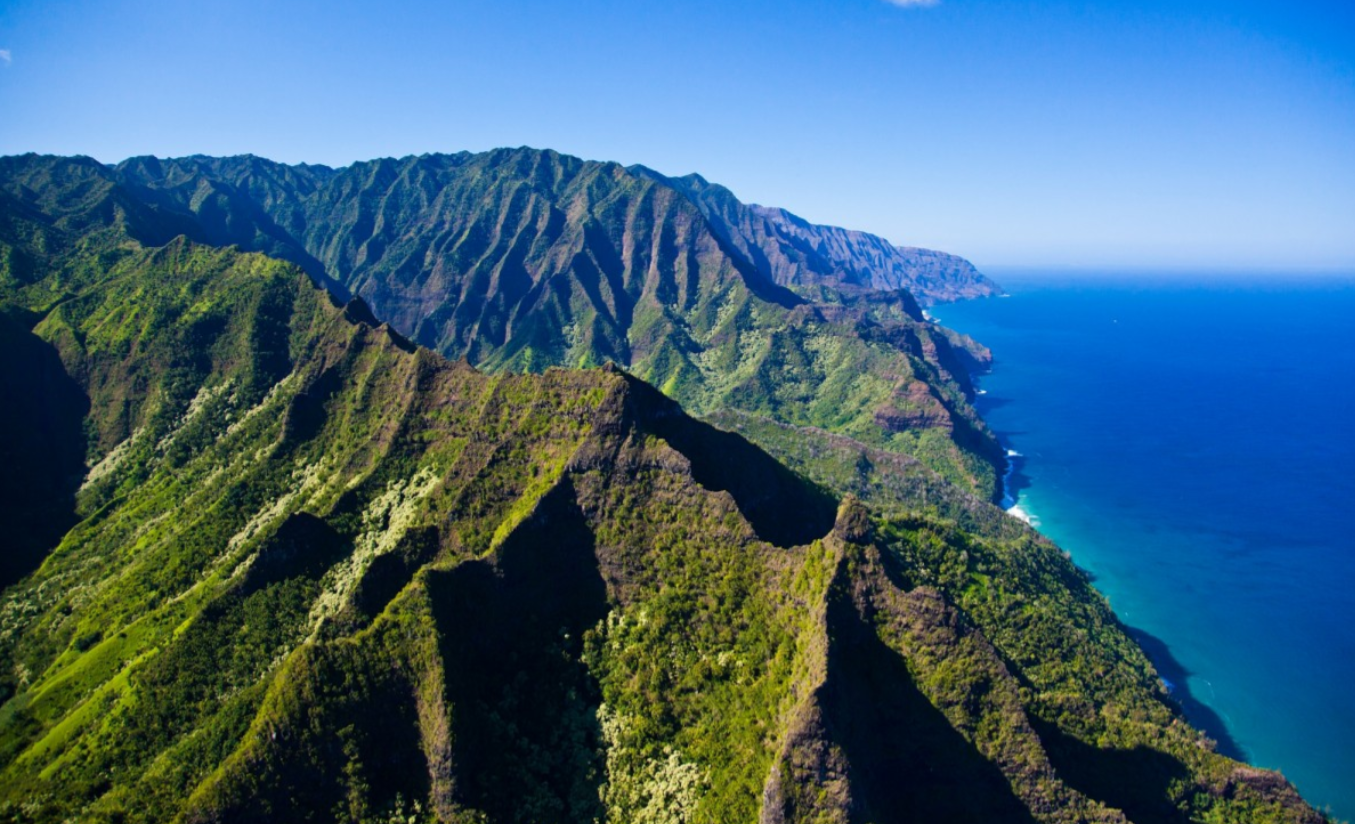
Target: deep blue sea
x: 1191, y: 442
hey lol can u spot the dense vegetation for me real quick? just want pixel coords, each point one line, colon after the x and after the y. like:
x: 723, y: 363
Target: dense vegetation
x: 317, y: 572
x: 520, y: 260
x: 814, y: 259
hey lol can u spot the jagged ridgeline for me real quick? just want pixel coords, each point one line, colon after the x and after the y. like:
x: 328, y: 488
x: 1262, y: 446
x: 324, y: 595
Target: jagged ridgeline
x: 316, y: 572
x: 520, y: 259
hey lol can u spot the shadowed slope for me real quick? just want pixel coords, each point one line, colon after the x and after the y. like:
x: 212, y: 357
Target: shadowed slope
x: 518, y: 259
x: 324, y: 574
x: 783, y: 509
x: 910, y: 764
x: 42, y: 438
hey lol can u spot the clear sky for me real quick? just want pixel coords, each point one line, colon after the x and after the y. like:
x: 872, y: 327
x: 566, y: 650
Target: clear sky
x: 1192, y: 134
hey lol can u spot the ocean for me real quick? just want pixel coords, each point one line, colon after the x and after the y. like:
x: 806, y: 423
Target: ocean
x: 1191, y: 442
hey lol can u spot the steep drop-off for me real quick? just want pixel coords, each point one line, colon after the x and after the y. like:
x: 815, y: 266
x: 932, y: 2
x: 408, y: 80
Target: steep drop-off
x: 815, y: 259
x: 321, y: 573
x: 522, y: 259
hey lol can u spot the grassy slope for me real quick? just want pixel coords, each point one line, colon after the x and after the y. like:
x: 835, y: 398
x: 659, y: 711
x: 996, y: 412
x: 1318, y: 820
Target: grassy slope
x: 521, y: 259
x: 321, y: 573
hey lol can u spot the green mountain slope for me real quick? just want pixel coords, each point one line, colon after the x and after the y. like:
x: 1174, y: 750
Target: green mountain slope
x: 521, y: 259
x: 319, y: 573
x: 809, y: 257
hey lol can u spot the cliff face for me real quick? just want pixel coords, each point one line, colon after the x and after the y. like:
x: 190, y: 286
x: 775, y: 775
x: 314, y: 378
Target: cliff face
x: 518, y: 260
x: 808, y: 257
x: 319, y: 572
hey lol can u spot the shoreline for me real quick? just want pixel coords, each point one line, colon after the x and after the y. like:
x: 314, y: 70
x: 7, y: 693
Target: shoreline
x: 1011, y: 503
x: 1174, y: 676
x: 1221, y: 674
x: 1007, y: 500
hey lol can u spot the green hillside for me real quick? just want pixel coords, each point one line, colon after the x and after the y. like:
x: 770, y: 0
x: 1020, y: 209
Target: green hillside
x: 521, y: 259
x: 812, y: 259
x: 300, y: 568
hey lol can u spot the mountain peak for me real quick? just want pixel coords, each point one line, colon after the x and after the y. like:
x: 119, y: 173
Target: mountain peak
x: 281, y: 564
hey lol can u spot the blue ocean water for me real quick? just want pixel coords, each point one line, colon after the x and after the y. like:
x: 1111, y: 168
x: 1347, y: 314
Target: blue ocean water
x: 1192, y: 444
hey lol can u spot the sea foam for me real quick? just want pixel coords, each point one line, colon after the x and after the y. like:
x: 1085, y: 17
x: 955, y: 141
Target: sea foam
x: 1019, y: 511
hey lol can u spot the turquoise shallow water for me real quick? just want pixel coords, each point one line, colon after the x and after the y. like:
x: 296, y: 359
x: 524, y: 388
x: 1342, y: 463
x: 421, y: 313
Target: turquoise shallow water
x: 1192, y: 445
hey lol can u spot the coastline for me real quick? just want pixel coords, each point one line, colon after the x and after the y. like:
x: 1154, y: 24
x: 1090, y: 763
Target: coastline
x: 1174, y: 676
x: 1243, y: 611
x: 1011, y: 501
x: 1008, y: 496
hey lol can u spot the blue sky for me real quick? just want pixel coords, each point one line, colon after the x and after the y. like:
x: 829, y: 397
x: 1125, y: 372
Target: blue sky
x: 1193, y: 134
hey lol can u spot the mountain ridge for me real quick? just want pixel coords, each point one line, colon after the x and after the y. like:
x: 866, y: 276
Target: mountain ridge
x: 519, y: 259
x: 795, y: 252
x: 320, y: 572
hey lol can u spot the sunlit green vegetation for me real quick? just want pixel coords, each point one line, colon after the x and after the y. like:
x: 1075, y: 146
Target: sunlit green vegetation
x: 318, y: 573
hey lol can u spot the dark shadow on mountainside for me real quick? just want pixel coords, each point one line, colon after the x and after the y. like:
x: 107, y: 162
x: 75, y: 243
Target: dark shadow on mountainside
x: 42, y: 447
x: 1135, y: 781
x: 1177, y: 677
x: 908, y: 763
x: 523, y: 707
x: 784, y: 509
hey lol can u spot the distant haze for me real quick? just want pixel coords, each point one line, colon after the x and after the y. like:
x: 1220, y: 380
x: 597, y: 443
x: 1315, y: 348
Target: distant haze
x: 1197, y: 134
